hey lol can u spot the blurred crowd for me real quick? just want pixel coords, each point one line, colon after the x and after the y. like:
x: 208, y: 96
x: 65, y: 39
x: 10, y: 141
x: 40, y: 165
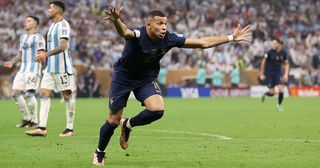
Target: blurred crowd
x: 96, y: 43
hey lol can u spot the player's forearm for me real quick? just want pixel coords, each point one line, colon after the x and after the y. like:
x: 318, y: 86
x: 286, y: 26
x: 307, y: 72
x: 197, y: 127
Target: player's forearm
x: 286, y: 69
x: 262, y: 66
x: 16, y: 59
x: 122, y: 29
x: 213, y: 41
x: 55, y: 51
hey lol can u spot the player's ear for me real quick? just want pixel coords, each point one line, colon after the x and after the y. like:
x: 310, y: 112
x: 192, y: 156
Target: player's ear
x: 148, y: 23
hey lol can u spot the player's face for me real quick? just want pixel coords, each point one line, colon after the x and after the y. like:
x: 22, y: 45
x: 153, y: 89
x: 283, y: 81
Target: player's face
x: 53, y: 10
x: 29, y: 23
x: 276, y: 45
x: 158, y: 27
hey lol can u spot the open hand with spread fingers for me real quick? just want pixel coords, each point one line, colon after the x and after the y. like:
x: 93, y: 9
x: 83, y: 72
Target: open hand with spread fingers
x: 113, y: 13
x: 242, y: 35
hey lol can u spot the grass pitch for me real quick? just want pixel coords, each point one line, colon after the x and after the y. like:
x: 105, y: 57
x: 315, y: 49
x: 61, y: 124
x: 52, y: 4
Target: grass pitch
x: 212, y: 132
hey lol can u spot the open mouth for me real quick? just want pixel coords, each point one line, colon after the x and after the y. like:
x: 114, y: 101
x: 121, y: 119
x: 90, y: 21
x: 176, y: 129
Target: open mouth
x: 162, y: 35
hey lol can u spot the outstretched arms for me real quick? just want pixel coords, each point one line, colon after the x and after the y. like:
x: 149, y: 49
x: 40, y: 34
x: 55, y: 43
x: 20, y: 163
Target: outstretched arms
x: 113, y: 14
x: 239, y: 35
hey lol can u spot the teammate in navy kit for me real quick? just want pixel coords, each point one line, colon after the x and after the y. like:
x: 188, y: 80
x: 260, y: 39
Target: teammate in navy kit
x: 271, y: 71
x: 138, y: 68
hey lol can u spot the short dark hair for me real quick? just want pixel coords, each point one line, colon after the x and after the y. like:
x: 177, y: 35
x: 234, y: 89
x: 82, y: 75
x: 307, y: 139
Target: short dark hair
x: 278, y: 40
x: 34, y: 18
x: 154, y: 13
x: 59, y: 4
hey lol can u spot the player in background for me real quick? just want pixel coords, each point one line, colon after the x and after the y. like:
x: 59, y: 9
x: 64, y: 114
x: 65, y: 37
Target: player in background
x: 58, y: 74
x: 274, y: 70
x: 138, y: 68
x: 27, y: 78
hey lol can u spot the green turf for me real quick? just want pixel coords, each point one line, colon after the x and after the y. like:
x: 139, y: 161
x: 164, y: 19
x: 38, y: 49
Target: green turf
x: 185, y: 137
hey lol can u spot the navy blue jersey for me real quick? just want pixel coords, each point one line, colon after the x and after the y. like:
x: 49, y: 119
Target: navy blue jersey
x: 141, y: 56
x: 275, y: 60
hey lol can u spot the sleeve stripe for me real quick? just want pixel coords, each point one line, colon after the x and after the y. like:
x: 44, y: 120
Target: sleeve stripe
x: 137, y: 33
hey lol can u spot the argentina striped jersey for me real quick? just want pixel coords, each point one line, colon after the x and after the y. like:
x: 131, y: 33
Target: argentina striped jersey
x: 29, y: 45
x: 59, y: 63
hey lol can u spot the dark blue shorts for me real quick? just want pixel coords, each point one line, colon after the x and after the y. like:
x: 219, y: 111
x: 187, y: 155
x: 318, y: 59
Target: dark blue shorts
x: 120, y: 91
x: 273, y: 80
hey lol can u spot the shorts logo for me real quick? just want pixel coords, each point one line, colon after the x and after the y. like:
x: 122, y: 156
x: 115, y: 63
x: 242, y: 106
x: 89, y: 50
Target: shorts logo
x: 111, y: 100
x: 156, y: 86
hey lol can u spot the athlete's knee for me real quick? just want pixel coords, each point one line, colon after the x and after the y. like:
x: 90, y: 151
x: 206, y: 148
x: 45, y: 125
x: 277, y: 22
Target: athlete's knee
x: 115, y: 121
x: 16, y: 93
x: 15, y: 96
x: 30, y: 94
x: 66, y: 94
x: 155, y: 106
x: 45, y: 93
x: 115, y: 117
x: 154, y: 103
x: 271, y: 93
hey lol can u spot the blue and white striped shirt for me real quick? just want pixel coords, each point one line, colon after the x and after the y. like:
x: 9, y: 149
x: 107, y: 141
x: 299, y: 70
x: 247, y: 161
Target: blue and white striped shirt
x: 29, y: 46
x: 59, y: 63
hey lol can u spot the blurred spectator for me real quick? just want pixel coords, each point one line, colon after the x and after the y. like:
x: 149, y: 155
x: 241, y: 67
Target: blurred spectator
x: 296, y: 22
x: 162, y: 80
x: 201, y: 76
x: 217, y: 79
x: 307, y: 79
x: 89, y: 80
x: 81, y: 88
x: 235, y: 77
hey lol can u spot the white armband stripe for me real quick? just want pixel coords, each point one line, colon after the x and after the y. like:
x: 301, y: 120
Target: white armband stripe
x: 137, y: 33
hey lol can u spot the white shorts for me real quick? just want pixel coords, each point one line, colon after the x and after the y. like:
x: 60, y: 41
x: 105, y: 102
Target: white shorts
x: 58, y: 82
x: 26, y: 81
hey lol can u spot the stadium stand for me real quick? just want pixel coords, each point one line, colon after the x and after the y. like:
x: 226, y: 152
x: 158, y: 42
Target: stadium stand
x: 95, y: 44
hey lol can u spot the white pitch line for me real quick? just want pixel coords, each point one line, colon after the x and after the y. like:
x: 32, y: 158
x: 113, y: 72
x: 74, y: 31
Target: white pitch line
x: 190, y: 133
x: 195, y: 138
x: 167, y: 137
x: 285, y: 140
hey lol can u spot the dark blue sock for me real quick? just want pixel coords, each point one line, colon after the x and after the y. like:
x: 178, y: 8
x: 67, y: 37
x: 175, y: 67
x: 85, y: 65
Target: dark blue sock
x: 280, y: 98
x: 268, y: 94
x: 146, y: 117
x: 106, y: 131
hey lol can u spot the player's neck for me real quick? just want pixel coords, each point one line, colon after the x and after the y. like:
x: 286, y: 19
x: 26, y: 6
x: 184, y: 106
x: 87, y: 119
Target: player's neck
x: 57, y: 18
x: 32, y: 31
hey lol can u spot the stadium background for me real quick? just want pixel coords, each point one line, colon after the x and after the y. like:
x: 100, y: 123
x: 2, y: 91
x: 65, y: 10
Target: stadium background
x: 95, y: 45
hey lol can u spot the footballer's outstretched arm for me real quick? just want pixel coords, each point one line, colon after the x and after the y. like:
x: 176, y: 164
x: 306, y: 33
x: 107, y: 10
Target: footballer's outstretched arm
x: 113, y: 14
x: 16, y: 59
x: 239, y: 35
